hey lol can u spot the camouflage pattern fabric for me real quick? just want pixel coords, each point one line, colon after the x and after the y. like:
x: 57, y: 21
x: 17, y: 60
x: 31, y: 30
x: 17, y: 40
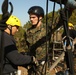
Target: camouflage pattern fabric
x: 36, y: 41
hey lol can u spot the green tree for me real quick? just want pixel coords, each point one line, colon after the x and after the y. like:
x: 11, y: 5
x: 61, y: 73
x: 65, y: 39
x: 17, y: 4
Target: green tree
x: 20, y: 39
x: 20, y: 35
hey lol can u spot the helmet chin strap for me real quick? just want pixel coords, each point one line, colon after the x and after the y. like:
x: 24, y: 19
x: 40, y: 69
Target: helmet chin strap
x: 10, y: 28
x: 37, y: 22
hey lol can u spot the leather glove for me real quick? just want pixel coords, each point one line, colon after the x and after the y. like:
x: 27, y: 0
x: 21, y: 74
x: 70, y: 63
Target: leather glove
x: 34, y: 60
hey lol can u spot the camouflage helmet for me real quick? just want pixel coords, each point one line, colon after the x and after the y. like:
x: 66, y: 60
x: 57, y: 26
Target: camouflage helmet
x: 37, y: 10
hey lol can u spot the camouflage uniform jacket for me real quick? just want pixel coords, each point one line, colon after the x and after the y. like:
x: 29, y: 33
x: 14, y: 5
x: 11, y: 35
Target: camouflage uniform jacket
x: 36, y: 41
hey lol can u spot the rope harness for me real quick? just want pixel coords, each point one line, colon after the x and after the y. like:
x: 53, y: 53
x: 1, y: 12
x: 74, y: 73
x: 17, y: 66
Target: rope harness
x: 3, y: 25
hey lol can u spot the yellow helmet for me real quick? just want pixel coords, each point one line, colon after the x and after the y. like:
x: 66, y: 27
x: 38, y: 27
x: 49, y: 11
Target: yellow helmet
x: 13, y: 21
x: 70, y: 25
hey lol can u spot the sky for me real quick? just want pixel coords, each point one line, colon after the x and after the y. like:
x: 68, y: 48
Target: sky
x: 21, y: 8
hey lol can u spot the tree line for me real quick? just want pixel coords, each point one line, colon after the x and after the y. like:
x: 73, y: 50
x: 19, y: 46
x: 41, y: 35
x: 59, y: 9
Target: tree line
x: 20, y: 38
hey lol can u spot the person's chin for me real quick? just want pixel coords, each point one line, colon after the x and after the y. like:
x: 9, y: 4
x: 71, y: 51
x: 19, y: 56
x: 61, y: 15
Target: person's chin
x: 34, y: 24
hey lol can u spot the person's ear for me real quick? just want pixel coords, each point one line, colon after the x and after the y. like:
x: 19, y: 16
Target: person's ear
x: 40, y: 18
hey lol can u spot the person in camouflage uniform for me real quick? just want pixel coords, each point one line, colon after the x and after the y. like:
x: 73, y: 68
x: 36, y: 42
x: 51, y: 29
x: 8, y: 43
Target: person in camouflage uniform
x: 36, y: 41
x: 35, y: 36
